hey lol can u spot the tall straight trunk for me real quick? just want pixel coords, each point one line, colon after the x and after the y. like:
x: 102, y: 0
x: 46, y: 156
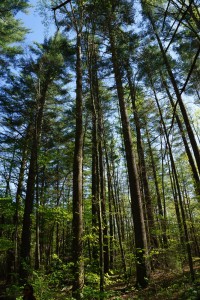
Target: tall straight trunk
x: 100, y: 133
x: 96, y: 211
x: 182, y: 223
x: 120, y: 208
x: 98, y: 203
x: 172, y: 172
x: 37, y: 224
x: 142, y: 164
x: 178, y: 97
x: 142, y: 272
x: 192, y: 227
x: 25, y: 255
x: 77, y: 223
x: 111, y: 223
x: 101, y: 254
x: 18, y: 199
x: 111, y: 231
x: 103, y: 199
x: 41, y: 221
x: 114, y: 216
x: 94, y: 188
x: 57, y: 250
x: 115, y: 196
x: 185, y: 142
x: 162, y: 218
x: 98, y: 152
x: 96, y: 184
x: 97, y: 217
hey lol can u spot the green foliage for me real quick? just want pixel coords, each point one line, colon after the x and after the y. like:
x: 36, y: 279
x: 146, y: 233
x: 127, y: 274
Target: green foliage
x: 59, y: 272
x: 52, y: 214
x: 90, y: 293
x: 5, y: 244
x: 7, y: 209
x: 92, y: 279
x: 40, y: 282
x: 48, y: 64
x: 169, y: 284
x: 11, y: 30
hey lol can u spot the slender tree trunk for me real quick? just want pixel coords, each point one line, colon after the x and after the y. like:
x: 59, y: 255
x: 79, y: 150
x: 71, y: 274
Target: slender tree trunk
x: 102, y: 177
x: 179, y: 198
x: 103, y: 200
x: 185, y: 142
x: 25, y: 254
x: 111, y: 225
x: 115, y: 196
x: 111, y: 231
x: 40, y: 216
x: 57, y: 204
x: 178, y: 96
x: 18, y: 198
x: 113, y: 210
x: 94, y: 188
x: 159, y: 201
x: 96, y: 211
x: 142, y: 271
x: 142, y: 164
x: 77, y: 224
x: 193, y: 229
x: 37, y: 225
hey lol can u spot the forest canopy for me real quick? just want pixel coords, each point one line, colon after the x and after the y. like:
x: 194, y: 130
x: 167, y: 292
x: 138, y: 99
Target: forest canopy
x: 100, y: 146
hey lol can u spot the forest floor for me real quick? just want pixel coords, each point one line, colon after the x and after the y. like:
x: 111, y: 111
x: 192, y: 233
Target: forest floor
x: 163, y: 285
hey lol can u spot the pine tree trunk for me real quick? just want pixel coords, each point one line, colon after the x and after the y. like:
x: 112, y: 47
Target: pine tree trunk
x: 111, y: 231
x: 100, y: 173
x: 37, y: 225
x: 185, y: 142
x: 77, y: 223
x: 142, y: 164
x: 142, y: 271
x: 162, y: 218
x: 25, y: 255
x: 18, y: 199
x: 192, y: 228
x: 102, y: 180
x: 178, y: 198
x: 115, y: 196
x: 179, y: 98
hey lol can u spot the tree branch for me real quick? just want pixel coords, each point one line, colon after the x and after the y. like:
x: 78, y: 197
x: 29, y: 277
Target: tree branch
x: 165, y: 15
x: 190, y: 72
x: 179, y: 23
x: 60, y: 5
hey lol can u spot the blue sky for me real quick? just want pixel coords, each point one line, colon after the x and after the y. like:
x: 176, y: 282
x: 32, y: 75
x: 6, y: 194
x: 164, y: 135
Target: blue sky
x: 34, y: 22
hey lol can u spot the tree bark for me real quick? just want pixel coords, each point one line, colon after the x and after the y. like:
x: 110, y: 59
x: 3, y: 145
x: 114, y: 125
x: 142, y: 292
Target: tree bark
x: 25, y: 257
x: 178, y: 198
x: 162, y: 218
x: 18, y: 198
x: 142, y: 271
x: 77, y: 223
x: 142, y: 164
